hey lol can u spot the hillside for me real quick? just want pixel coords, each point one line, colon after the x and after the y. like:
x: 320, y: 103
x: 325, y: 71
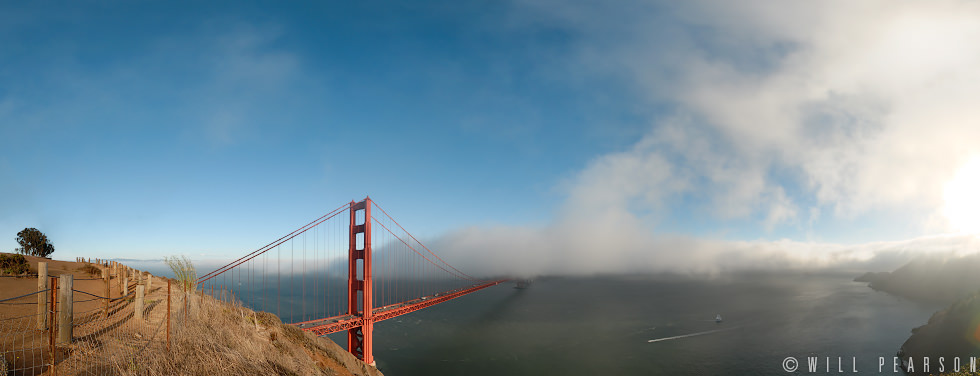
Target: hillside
x: 951, y: 332
x: 209, y: 337
x: 935, y: 279
x: 231, y: 340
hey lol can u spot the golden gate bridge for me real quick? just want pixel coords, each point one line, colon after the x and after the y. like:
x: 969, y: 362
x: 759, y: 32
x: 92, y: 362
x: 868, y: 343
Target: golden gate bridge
x: 343, y: 274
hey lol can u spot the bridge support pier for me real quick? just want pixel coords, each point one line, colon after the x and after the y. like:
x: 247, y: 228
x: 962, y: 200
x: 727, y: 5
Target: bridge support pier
x: 360, y: 340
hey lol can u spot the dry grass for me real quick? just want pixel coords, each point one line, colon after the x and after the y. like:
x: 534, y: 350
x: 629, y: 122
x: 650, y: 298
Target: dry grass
x: 225, y: 339
x: 210, y: 337
x: 91, y: 270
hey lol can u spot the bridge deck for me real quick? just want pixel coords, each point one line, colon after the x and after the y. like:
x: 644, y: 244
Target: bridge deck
x: 344, y: 322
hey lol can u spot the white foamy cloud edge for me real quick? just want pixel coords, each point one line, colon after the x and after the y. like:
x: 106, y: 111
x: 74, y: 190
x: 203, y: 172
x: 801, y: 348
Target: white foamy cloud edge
x: 526, y: 252
x: 785, y: 113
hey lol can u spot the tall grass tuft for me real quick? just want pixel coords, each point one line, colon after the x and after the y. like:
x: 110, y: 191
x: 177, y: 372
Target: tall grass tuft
x: 184, y: 272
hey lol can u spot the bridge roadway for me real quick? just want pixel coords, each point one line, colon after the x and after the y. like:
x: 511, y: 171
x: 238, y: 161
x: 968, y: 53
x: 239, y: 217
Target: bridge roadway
x: 340, y: 323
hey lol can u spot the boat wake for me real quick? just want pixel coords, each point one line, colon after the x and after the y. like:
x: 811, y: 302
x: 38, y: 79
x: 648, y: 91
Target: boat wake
x: 693, y: 334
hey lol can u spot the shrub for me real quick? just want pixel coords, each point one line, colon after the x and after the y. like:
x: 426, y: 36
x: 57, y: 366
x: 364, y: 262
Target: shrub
x: 267, y: 319
x: 14, y: 264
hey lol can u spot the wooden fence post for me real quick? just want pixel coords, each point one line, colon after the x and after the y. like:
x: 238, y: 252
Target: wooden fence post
x: 149, y: 281
x: 139, y: 302
x: 125, y: 286
x: 42, y: 296
x: 66, y: 314
x: 105, y: 279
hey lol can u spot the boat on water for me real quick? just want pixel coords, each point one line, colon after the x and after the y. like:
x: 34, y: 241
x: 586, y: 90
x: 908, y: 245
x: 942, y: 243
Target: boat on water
x: 718, y: 318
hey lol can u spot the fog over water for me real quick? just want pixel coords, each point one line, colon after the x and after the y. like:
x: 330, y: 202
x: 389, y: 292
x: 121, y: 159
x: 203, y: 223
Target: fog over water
x: 563, y: 249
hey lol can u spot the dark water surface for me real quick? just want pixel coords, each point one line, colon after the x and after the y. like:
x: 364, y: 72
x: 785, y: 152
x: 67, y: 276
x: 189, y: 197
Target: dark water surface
x: 601, y: 326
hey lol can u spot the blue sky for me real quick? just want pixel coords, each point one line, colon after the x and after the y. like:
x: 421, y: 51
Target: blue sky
x: 140, y: 130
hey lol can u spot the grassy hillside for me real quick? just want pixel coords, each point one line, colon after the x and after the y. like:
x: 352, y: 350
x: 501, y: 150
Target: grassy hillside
x: 210, y: 337
x: 227, y: 339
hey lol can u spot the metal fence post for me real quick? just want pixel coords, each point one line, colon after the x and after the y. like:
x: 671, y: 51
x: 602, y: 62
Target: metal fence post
x: 51, y: 327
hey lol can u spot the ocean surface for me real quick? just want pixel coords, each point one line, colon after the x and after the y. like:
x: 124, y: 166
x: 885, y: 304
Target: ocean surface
x: 603, y: 325
x: 651, y: 325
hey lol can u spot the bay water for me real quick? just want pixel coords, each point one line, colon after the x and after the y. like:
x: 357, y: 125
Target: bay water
x: 649, y: 325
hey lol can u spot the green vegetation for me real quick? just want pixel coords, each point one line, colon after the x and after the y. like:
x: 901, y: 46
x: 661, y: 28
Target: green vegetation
x: 962, y: 373
x: 33, y: 242
x: 13, y: 264
x: 184, y: 272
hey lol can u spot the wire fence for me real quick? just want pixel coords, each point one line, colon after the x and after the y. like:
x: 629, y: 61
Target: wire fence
x: 24, y: 347
x: 41, y: 333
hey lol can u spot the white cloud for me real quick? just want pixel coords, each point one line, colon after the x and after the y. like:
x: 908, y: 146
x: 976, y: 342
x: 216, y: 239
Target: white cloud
x: 582, y: 250
x: 243, y: 72
x: 867, y: 106
x: 780, y: 106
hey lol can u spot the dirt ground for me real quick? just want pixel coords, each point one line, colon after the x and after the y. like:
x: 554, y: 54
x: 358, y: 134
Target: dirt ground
x: 23, y: 345
x: 16, y: 286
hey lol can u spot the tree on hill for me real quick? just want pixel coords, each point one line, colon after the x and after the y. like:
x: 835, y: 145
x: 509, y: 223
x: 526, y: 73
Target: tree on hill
x: 33, y: 242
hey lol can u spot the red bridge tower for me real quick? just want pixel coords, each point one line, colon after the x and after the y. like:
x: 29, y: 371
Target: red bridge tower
x: 360, y: 339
